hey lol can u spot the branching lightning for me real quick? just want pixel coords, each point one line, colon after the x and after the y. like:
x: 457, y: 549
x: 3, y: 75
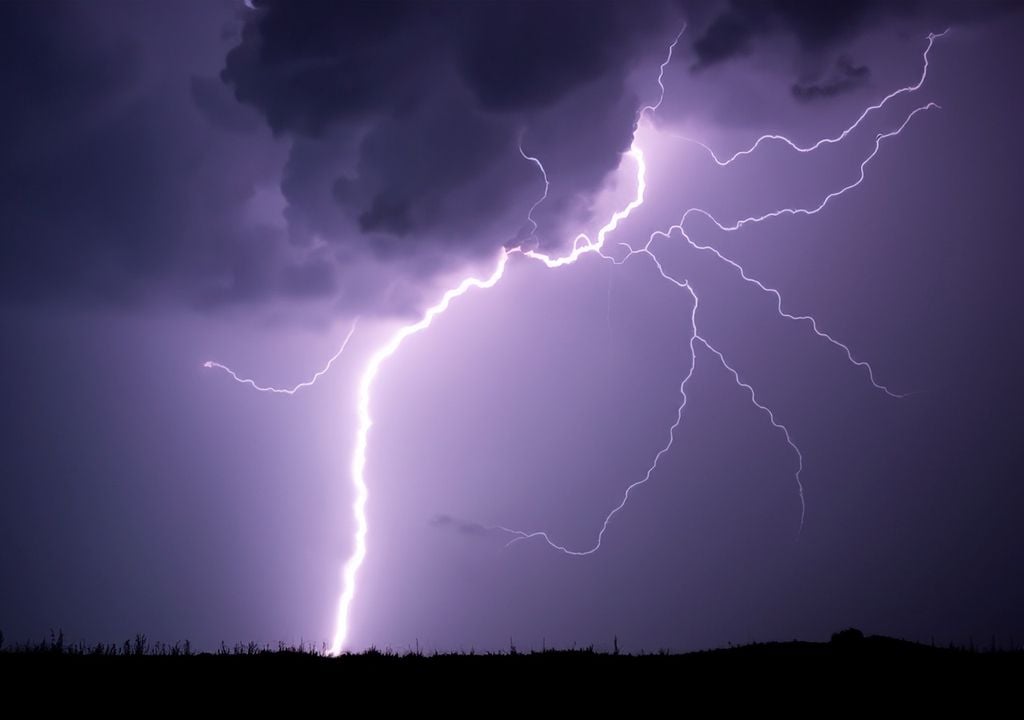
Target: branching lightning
x: 582, y: 245
x: 753, y: 219
x: 866, y: 366
x: 932, y: 37
x: 694, y: 337
x: 544, y: 196
x: 661, y: 78
x: 771, y: 418
x: 209, y: 364
x: 648, y: 252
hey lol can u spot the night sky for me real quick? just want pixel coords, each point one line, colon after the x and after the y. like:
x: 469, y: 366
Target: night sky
x: 206, y: 181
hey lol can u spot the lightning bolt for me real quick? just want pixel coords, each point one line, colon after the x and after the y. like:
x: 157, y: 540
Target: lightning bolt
x: 209, y: 364
x: 582, y: 245
x: 358, y: 469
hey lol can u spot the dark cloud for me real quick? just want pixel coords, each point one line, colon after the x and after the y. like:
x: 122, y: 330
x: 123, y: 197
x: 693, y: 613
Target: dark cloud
x: 845, y: 76
x: 815, y: 25
x: 726, y: 37
x: 342, y: 151
x: 219, y: 106
x: 336, y: 152
x: 427, y: 103
x: 730, y: 30
x: 312, y: 278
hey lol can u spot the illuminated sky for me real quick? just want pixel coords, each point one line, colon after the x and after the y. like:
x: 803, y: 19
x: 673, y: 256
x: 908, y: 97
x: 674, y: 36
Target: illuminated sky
x: 302, y: 165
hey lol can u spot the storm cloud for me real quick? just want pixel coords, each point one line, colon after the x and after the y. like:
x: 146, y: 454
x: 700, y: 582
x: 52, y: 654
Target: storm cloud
x: 411, y: 113
x: 343, y: 154
x: 845, y: 76
x: 331, y: 151
x: 116, y: 186
x: 731, y: 28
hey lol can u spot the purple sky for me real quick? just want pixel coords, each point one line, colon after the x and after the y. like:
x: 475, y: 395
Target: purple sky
x: 304, y: 164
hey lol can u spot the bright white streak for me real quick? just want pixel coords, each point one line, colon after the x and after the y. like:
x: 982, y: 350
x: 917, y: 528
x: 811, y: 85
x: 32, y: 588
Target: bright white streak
x: 582, y: 244
x: 358, y: 468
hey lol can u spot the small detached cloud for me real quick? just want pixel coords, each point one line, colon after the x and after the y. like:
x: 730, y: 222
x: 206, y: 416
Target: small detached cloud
x: 463, y: 527
x: 844, y: 77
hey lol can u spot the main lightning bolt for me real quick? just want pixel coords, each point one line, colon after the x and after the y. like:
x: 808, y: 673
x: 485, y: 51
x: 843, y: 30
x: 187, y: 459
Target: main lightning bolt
x: 582, y: 245
x: 358, y: 469
x: 365, y: 419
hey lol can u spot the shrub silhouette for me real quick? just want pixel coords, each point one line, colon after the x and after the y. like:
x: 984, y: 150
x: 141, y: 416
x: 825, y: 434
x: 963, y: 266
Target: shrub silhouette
x: 850, y: 637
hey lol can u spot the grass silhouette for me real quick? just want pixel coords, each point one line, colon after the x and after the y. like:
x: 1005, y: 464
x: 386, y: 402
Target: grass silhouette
x: 822, y: 676
x: 844, y: 645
